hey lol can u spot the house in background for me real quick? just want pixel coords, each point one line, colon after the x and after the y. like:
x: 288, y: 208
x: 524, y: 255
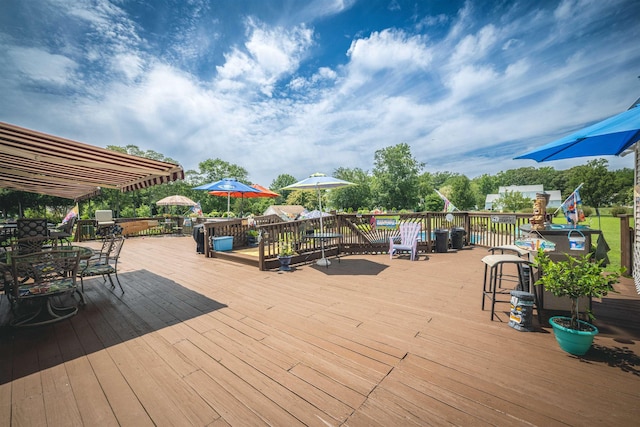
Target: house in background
x: 286, y: 212
x: 527, y: 191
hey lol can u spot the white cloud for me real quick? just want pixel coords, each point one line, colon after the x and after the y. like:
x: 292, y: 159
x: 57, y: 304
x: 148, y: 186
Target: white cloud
x: 40, y: 67
x: 269, y: 54
x: 129, y: 65
x: 474, y: 47
x: 466, y: 94
x: 388, y: 50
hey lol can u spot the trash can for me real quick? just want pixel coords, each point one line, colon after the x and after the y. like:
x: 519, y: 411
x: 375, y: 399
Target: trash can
x: 457, y: 238
x: 198, y: 236
x: 442, y: 240
x: 521, y: 316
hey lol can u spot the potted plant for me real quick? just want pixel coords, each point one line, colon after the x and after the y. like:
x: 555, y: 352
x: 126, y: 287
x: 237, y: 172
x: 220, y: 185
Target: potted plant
x: 252, y: 237
x: 574, y: 278
x: 284, y: 255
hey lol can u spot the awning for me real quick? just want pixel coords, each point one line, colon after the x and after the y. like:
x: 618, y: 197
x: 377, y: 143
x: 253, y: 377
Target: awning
x: 45, y: 164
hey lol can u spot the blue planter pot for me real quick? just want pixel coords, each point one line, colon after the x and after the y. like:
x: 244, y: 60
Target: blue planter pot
x: 573, y: 341
x: 285, y: 262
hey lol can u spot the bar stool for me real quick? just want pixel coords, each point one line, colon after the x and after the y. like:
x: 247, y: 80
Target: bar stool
x: 493, y: 277
x: 515, y: 250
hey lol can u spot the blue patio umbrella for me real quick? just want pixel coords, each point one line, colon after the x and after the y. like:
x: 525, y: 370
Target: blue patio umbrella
x: 227, y: 185
x: 611, y: 136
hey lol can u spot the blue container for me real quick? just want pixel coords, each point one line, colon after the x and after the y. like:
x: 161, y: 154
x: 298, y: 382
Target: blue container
x: 573, y: 341
x: 222, y: 243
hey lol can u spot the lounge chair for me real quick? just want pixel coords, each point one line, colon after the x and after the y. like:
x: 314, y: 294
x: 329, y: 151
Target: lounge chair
x: 409, y: 233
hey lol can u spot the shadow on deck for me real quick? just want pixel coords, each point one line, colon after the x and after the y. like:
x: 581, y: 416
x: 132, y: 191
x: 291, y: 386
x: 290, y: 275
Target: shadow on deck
x: 108, y: 319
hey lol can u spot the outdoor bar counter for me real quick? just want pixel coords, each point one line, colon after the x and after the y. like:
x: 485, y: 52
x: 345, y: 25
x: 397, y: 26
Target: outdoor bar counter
x: 568, y: 241
x: 562, y: 236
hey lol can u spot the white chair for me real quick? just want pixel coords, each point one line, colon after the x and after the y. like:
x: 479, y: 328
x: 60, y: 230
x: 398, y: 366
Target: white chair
x: 104, y: 218
x: 409, y: 233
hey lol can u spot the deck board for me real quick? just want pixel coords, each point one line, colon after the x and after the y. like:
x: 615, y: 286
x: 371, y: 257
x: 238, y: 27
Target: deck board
x: 368, y: 341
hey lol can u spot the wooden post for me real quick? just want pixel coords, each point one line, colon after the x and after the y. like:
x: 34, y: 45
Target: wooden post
x: 626, y: 244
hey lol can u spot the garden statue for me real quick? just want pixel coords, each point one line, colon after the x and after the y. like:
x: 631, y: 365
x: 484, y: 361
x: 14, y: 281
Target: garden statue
x: 537, y: 221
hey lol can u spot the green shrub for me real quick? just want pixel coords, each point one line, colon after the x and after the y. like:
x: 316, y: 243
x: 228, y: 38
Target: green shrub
x: 588, y: 211
x: 618, y: 210
x: 144, y: 211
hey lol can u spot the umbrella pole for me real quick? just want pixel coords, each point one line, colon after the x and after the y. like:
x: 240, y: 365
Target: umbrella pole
x: 322, y: 261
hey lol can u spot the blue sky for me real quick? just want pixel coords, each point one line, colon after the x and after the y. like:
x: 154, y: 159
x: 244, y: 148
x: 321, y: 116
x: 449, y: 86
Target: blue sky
x: 299, y: 87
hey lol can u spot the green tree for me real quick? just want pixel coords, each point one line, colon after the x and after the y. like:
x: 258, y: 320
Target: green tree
x: 512, y: 201
x: 461, y: 194
x: 483, y: 185
x: 353, y: 197
x: 308, y: 199
x: 395, y: 178
x: 598, y: 183
x: 433, y: 203
x: 623, y: 180
x: 279, y: 183
x: 216, y: 169
x: 438, y: 179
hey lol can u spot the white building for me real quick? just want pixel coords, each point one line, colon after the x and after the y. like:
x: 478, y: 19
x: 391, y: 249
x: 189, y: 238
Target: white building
x: 527, y: 191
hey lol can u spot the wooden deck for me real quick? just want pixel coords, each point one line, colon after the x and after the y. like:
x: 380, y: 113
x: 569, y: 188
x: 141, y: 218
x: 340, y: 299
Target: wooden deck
x: 367, y: 342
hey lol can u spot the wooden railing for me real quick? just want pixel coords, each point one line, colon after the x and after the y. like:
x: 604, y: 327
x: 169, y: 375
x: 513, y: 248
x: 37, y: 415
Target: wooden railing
x: 87, y: 229
x: 359, y: 233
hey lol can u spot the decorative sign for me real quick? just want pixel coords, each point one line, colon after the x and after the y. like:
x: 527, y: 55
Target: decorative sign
x: 387, y: 222
x: 535, y: 243
x: 503, y: 219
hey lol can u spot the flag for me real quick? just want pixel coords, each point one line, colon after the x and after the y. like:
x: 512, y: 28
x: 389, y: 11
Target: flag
x: 197, y: 209
x: 72, y: 213
x: 572, y: 208
x: 448, y: 206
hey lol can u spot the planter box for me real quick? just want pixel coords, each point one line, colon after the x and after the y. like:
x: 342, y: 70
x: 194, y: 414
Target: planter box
x: 222, y: 243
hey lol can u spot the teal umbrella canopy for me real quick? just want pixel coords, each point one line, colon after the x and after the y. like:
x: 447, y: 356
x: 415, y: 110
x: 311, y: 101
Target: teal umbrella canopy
x: 611, y: 136
x: 228, y: 186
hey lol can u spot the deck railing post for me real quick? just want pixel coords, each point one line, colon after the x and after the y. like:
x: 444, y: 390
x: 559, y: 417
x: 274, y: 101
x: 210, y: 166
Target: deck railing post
x: 626, y: 244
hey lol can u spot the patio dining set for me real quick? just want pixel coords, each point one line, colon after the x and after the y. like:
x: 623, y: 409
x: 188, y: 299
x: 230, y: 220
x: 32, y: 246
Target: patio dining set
x: 39, y: 270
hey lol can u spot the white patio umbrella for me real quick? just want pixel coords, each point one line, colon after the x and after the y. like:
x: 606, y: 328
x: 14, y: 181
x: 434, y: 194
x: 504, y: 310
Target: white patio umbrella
x: 176, y: 200
x: 317, y: 182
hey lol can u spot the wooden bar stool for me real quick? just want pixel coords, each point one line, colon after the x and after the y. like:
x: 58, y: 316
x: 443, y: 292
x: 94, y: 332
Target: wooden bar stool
x: 493, y: 278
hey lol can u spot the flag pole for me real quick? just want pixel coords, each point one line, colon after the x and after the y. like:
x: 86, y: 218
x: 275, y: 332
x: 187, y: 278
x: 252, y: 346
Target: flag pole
x: 565, y: 200
x: 447, y: 202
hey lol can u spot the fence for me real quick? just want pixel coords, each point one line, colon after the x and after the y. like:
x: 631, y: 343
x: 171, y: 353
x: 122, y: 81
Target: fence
x: 358, y: 233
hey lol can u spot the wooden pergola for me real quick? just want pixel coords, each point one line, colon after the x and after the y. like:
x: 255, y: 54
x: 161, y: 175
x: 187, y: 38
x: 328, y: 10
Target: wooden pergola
x: 40, y: 163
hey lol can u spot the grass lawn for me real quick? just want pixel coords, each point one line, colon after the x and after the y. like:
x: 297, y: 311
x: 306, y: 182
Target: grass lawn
x: 610, y: 227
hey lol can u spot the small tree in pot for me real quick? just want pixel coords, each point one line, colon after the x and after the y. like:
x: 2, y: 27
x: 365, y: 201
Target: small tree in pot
x: 285, y: 254
x: 574, y: 278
